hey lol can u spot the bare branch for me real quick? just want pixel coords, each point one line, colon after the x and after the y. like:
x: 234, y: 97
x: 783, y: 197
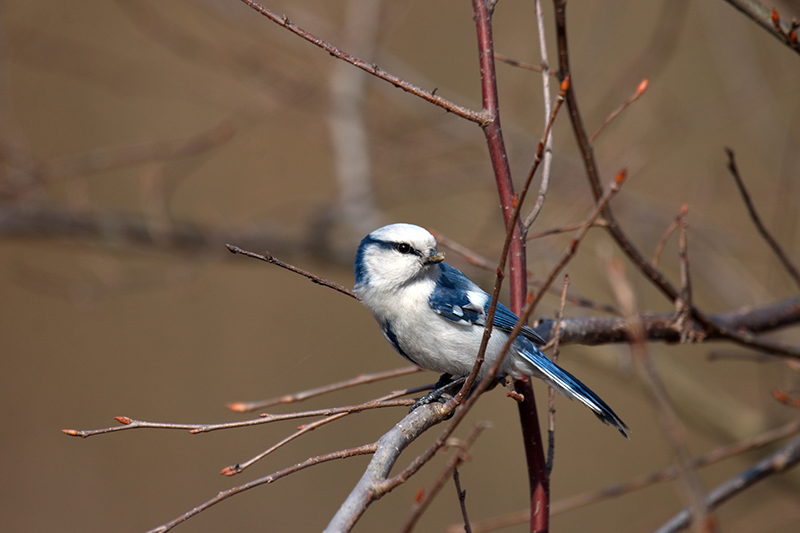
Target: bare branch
x: 130, y: 423
x: 225, y: 494
x: 671, y: 425
x: 460, y: 454
x: 618, y: 489
x: 787, y: 264
x: 614, y: 114
x: 777, y: 463
x: 769, y: 20
x: 477, y: 117
x: 361, y: 379
x: 269, y: 258
x: 391, y: 444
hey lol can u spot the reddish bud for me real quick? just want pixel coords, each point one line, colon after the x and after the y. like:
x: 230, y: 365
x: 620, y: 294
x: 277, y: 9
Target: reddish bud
x: 565, y: 85
x: 194, y: 431
x: 420, y: 494
x: 780, y: 395
x: 684, y: 209
x: 793, y: 38
x: 514, y: 395
x: 514, y: 200
x: 70, y: 432
x: 238, y: 407
x: 228, y: 471
x: 621, y: 175
x: 776, y: 20
x: 301, y: 427
x: 642, y: 87
x: 123, y: 420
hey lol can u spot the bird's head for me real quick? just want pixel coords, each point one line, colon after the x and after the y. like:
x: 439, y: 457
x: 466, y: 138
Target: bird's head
x: 394, y: 255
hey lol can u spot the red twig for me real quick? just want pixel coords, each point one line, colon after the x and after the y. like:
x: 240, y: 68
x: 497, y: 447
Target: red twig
x: 537, y: 472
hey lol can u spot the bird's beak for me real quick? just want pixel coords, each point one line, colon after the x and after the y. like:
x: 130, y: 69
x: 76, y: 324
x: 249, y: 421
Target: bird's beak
x: 435, y: 257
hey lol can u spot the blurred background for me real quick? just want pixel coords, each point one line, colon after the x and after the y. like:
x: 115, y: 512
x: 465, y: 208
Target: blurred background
x: 139, y: 136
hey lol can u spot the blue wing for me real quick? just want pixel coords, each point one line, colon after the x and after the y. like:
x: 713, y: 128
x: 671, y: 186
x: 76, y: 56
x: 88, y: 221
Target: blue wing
x: 458, y: 299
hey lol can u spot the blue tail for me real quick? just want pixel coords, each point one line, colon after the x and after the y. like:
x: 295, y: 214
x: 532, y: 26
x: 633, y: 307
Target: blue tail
x: 572, y: 388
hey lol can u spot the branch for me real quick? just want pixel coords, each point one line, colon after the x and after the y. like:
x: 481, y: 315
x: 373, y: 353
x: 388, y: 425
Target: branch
x: 534, y: 449
x: 371, y: 68
x: 627, y: 246
x: 769, y: 20
x: 388, y: 450
x: 661, y: 327
x: 618, y: 489
x: 787, y: 264
x: 269, y: 258
x: 361, y: 379
x: 342, y: 454
x: 777, y: 463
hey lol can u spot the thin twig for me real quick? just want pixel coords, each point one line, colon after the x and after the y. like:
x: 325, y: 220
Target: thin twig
x: 684, y: 302
x: 573, y: 247
x: 751, y: 209
x: 306, y: 428
x: 635, y: 96
x: 565, y: 229
x: 551, y: 401
x: 482, y: 262
x: 462, y: 500
x: 225, y: 494
x: 664, y: 239
x: 130, y: 423
x: 619, y: 489
x: 269, y: 258
x: 361, y: 379
x: 777, y: 463
x: 656, y: 277
x: 521, y: 64
x: 672, y: 427
x: 548, y: 145
x: 769, y: 20
x: 460, y: 454
x: 480, y: 118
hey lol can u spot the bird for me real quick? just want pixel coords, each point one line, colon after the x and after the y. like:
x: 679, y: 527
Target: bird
x: 434, y: 316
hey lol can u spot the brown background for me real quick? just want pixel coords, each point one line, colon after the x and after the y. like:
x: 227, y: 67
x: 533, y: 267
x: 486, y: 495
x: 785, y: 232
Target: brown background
x: 95, y: 328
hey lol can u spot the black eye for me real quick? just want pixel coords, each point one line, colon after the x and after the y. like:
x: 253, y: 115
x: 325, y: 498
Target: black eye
x: 403, y: 248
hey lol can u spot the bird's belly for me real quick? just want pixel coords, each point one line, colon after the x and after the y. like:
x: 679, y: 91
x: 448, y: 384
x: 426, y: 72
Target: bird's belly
x: 445, y: 346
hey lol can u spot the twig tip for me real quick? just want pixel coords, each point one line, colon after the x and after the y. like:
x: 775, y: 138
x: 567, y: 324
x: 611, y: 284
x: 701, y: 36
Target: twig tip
x: 237, y: 407
x: 124, y: 420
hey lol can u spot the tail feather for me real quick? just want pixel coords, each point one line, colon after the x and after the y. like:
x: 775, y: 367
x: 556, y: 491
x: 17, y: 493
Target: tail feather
x: 572, y: 388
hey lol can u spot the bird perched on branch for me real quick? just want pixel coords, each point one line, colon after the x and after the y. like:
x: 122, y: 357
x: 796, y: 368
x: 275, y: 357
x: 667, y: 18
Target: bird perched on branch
x: 435, y: 316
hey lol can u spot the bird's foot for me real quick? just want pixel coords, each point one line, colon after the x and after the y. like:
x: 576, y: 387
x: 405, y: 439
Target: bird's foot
x: 441, y: 393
